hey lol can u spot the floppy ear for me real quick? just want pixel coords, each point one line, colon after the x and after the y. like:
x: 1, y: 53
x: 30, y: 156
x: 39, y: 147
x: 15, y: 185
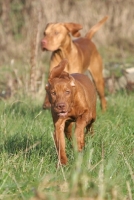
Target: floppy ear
x: 73, y: 29
x: 46, y: 87
x: 57, y: 71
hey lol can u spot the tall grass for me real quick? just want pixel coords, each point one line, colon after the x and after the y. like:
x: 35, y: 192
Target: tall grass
x: 104, y: 170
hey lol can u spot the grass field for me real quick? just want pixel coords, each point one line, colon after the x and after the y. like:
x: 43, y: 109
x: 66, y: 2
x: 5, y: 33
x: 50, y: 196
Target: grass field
x: 104, y: 170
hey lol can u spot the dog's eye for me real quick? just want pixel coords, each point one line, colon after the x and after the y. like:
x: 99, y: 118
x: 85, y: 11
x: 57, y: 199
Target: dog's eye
x: 56, y: 32
x: 67, y: 92
x: 53, y: 93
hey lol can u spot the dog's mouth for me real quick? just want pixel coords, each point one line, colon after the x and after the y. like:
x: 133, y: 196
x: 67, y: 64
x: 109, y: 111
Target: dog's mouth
x: 44, y: 48
x: 62, y: 114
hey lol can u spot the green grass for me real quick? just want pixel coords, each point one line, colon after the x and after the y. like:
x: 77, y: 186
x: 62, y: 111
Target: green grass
x: 105, y: 168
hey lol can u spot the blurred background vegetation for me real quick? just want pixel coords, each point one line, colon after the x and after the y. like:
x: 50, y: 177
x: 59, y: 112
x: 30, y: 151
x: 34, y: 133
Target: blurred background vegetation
x: 22, y: 23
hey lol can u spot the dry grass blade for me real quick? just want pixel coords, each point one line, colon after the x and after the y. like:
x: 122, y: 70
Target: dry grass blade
x: 129, y: 167
x: 129, y: 191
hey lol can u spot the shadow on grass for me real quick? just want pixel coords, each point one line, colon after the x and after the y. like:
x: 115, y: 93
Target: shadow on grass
x: 30, y: 145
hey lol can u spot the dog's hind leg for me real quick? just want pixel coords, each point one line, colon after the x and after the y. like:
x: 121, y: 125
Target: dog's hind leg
x: 96, y: 72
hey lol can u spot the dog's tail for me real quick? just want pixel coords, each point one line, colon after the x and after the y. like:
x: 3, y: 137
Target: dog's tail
x: 95, y: 28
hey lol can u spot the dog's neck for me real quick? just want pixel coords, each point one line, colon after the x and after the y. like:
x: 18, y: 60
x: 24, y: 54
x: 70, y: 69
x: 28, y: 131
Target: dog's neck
x: 66, y: 47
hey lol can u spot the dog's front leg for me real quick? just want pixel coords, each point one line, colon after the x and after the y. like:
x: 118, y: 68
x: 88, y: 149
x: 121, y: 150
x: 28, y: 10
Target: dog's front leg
x: 60, y: 140
x: 81, y: 123
x: 79, y: 134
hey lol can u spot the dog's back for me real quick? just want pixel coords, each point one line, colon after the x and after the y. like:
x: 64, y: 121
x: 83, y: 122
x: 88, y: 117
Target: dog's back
x: 85, y: 47
x: 89, y: 89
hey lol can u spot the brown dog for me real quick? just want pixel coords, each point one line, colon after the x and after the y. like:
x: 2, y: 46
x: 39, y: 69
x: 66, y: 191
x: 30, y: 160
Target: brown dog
x: 73, y: 99
x: 80, y: 53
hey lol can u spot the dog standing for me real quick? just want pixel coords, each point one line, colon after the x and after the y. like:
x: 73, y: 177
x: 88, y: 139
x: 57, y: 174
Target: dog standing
x: 73, y: 99
x: 81, y: 53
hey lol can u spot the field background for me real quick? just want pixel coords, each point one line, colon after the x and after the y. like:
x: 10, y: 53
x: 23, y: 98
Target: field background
x: 105, y: 169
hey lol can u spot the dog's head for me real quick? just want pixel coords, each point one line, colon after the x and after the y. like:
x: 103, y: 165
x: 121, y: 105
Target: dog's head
x: 60, y: 90
x: 55, y: 35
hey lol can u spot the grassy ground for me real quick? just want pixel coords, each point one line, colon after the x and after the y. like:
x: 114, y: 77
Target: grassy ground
x: 104, y: 170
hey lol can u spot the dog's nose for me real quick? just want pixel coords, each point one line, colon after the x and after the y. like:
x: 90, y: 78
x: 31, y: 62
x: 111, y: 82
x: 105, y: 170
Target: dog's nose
x: 60, y: 106
x: 43, y: 42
